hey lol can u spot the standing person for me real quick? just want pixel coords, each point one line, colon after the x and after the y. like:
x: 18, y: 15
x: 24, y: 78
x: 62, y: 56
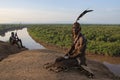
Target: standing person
x: 15, y: 40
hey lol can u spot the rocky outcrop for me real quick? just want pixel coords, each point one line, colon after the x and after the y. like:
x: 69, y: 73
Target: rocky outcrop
x: 6, y: 49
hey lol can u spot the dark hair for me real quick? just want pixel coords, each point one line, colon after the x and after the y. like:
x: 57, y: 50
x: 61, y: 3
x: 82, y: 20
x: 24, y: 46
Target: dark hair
x: 12, y: 33
x: 77, y: 25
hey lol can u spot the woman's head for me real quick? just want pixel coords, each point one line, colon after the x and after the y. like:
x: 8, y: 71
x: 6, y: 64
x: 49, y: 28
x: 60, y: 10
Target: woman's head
x: 76, y: 28
x: 12, y: 33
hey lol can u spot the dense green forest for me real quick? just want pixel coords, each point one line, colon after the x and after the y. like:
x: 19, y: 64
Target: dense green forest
x: 5, y: 27
x: 101, y: 39
x: 8, y: 26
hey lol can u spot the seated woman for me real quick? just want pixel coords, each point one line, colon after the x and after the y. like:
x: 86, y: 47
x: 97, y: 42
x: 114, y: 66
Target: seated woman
x: 15, y: 40
x: 76, y: 54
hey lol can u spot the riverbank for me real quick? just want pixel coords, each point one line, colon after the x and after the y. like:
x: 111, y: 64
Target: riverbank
x: 22, y: 65
x: 25, y: 64
x: 92, y: 56
x: 113, y: 63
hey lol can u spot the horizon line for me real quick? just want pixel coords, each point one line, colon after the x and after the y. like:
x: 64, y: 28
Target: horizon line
x: 64, y: 23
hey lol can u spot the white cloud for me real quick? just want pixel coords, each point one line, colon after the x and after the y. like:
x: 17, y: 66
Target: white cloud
x: 9, y: 15
x: 17, y: 15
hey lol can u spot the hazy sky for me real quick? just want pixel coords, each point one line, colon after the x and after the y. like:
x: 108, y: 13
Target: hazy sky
x: 59, y: 11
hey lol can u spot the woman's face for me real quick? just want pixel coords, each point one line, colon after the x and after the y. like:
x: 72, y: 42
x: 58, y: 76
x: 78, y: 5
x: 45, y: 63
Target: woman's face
x: 75, y: 29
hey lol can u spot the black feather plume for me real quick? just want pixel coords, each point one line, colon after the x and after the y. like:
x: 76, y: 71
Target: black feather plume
x: 83, y: 13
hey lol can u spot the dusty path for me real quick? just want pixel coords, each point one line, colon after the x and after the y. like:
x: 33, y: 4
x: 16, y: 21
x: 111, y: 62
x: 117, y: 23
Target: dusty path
x: 28, y: 65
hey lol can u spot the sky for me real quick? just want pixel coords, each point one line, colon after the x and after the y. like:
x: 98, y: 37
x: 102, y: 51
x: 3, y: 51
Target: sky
x: 59, y: 11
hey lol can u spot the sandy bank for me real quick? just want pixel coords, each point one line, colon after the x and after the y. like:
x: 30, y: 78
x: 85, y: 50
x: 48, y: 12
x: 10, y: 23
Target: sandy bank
x: 28, y: 65
x: 17, y: 64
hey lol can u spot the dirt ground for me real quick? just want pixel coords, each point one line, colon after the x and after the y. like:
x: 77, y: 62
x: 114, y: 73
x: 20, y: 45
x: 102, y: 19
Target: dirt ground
x: 28, y: 65
x: 6, y: 49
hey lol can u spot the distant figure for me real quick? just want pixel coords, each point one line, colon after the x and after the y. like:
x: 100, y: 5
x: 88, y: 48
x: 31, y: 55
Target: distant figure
x: 15, y: 40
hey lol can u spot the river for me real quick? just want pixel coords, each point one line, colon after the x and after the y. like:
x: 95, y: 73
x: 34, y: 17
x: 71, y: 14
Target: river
x: 29, y: 43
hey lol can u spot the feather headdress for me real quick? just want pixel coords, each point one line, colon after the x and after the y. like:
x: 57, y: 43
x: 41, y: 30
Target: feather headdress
x: 83, y: 13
